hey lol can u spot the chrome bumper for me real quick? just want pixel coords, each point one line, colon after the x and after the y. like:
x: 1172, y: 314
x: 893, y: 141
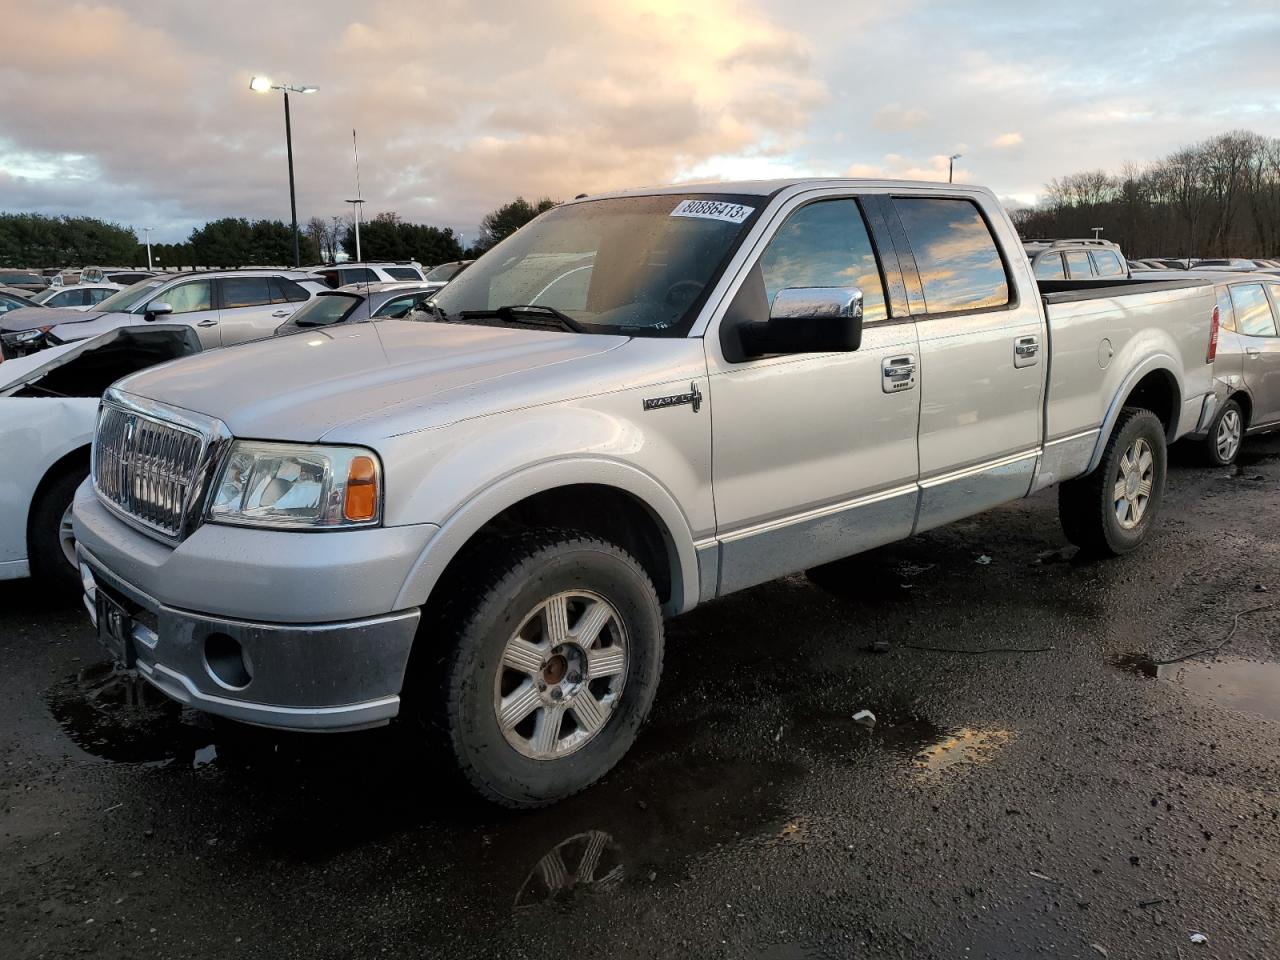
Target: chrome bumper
x: 326, y: 676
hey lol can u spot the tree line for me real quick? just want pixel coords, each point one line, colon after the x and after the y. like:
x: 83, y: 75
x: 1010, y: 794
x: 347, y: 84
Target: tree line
x: 35, y: 240
x: 1216, y: 198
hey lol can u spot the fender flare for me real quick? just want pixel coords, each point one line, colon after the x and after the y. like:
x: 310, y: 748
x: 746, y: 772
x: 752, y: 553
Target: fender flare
x: 1157, y: 361
x: 489, y: 501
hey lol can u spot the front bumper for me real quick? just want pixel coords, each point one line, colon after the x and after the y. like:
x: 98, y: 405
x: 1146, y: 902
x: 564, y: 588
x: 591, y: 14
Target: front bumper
x: 327, y: 676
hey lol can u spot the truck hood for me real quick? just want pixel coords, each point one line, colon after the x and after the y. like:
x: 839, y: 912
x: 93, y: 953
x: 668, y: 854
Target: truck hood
x: 29, y: 318
x: 303, y: 386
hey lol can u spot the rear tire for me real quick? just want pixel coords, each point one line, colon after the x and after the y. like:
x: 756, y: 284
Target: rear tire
x: 1110, y: 511
x: 50, y: 545
x: 1221, y: 445
x: 557, y: 651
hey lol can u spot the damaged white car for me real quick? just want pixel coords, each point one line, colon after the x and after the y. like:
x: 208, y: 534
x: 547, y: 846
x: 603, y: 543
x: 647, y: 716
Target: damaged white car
x: 48, y: 411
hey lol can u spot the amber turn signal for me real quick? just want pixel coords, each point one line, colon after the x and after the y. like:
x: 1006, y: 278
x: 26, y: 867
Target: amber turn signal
x: 362, y: 490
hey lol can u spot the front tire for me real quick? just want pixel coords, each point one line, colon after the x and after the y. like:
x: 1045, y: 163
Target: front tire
x: 50, y: 541
x: 1110, y: 511
x: 1226, y: 433
x: 557, y: 653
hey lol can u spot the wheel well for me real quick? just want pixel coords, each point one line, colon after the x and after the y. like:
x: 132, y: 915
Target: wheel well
x: 1246, y: 406
x: 1157, y: 392
x: 77, y: 459
x: 606, y: 512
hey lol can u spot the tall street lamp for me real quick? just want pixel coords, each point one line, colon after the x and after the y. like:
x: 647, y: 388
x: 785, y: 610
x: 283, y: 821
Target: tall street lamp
x: 355, y: 206
x: 951, y: 166
x: 264, y: 85
x: 147, y: 231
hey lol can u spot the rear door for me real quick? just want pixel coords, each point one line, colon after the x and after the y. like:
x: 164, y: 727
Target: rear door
x: 982, y: 359
x: 247, y: 310
x: 1255, y: 322
x: 814, y: 455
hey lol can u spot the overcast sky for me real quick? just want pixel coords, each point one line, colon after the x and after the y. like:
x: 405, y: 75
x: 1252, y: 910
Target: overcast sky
x: 140, y: 112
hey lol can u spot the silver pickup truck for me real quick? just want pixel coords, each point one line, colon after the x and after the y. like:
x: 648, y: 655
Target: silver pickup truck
x: 637, y: 403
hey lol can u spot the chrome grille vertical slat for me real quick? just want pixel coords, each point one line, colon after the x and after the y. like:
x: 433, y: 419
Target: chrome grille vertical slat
x: 146, y: 467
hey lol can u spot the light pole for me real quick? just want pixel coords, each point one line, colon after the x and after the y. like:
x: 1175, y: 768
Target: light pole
x: 264, y: 85
x: 356, y: 205
x: 147, y: 231
x: 951, y: 166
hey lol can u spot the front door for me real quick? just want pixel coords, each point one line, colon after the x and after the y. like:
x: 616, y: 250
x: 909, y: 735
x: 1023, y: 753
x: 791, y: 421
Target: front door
x: 813, y: 455
x: 191, y: 302
x: 983, y: 357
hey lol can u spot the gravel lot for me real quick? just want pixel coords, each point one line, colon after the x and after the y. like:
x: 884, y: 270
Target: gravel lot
x: 1006, y: 804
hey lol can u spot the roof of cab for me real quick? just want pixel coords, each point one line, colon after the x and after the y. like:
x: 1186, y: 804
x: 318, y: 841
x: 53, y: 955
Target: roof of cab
x: 767, y: 188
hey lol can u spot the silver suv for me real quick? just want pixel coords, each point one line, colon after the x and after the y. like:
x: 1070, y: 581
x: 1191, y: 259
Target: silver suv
x: 225, y: 307
x: 341, y: 275
x: 1076, y: 259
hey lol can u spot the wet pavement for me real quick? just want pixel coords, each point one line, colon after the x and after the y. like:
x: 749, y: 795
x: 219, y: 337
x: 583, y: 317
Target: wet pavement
x: 1073, y: 799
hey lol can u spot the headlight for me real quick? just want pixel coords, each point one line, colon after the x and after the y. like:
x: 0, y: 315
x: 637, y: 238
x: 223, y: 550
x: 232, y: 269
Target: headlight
x: 298, y: 486
x: 28, y: 336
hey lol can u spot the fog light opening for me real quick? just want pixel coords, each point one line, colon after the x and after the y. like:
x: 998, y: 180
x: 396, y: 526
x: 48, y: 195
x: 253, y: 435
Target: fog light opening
x: 227, y: 661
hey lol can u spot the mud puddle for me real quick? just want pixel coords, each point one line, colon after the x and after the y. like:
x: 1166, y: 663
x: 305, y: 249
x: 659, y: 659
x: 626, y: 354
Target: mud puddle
x: 1249, y: 686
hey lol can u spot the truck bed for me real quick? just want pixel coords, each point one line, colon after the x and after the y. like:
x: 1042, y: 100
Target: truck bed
x: 1119, y: 330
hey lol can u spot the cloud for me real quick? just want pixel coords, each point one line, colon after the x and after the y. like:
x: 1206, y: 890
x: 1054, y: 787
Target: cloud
x: 457, y: 111
x: 895, y: 167
x: 1007, y: 140
x: 895, y: 116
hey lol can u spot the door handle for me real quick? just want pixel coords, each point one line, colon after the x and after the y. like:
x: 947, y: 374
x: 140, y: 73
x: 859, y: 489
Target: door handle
x: 1254, y: 352
x: 281, y: 313
x: 898, y: 374
x: 207, y: 323
x: 1025, y: 351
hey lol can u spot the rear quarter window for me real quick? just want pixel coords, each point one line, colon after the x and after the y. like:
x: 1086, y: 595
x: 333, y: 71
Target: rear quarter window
x: 403, y: 273
x: 1107, y: 263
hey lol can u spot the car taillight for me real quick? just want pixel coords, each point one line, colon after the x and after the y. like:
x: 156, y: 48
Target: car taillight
x: 1213, y: 337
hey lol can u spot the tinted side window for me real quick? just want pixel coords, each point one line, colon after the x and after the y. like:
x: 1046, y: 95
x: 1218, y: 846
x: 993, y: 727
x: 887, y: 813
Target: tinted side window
x: 359, y: 275
x: 403, y: 273
x: 284, y: 290
x: 1078, y: 265
x: 245, y: 292
x: 825, y: 244
x: 187, y: 297
x: 1253, y: 312
x: 1049, y: 267
x: 97, y: 296
x: 397, y: 307
x: 1226, y: 316
x: 957, y: 258
x: 1107, y: 263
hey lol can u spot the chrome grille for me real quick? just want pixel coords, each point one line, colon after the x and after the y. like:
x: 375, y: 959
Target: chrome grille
x: 146, y: 468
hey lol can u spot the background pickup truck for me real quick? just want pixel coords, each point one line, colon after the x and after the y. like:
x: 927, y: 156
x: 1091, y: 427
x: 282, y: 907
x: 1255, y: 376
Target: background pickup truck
x: 636, y: 403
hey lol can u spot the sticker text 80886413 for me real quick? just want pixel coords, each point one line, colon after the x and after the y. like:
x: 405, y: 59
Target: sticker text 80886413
x: 713, y: 210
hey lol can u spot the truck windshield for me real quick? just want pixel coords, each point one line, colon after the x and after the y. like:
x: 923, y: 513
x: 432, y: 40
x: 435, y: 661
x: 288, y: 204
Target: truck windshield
x: 640, y: 266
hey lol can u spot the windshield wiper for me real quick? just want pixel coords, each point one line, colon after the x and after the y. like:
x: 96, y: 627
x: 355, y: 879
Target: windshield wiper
x: 529, y: 314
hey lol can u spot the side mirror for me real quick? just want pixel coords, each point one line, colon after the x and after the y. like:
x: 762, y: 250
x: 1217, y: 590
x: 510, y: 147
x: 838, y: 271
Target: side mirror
x: 158, y: 309
x: 808, y: 320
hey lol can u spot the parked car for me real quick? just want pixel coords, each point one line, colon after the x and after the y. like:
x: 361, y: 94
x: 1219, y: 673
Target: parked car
x: 80, y: 296
x: 345, y: 274
x: 1239, y: 264
x: 1075, y: 259
x: 493, y: 512
x: 224, y: 306
x: 1247, y: 367
x: 361, y: 301
x: 48, y: 408
x: 28, y: 280
x: 439, y: 276
x: 1151, y: 264
x: 17, y: 293
x: 13, y: 301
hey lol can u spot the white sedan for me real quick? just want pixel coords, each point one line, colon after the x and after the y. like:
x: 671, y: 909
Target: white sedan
x: 79, y: 296
x: 48, y: 411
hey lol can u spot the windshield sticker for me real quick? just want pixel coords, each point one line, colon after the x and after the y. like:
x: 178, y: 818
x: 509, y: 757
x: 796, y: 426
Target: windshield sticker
x: 713, y: 210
